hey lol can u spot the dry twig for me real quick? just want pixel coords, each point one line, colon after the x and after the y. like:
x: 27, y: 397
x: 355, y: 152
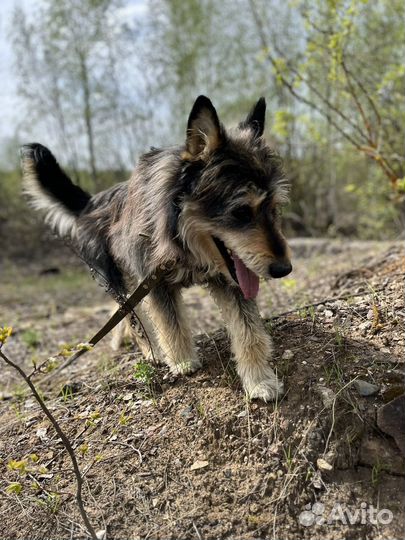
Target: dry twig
x: 65, y: 441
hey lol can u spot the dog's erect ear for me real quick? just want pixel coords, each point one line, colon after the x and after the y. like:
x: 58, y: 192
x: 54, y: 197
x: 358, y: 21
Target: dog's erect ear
x: 256, y: 118
x: 204, y: 132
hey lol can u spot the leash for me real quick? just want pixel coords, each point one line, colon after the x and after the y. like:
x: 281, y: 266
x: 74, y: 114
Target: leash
x: 125, y: 308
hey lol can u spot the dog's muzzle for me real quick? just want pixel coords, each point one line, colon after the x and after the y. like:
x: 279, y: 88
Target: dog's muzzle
x: 280, y: 269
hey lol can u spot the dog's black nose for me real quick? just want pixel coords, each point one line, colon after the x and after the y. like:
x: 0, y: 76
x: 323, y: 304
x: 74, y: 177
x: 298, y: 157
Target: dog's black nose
x: 280, y: 269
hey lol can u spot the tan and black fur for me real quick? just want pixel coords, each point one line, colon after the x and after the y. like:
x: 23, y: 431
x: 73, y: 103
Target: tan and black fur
x: 218, y: 194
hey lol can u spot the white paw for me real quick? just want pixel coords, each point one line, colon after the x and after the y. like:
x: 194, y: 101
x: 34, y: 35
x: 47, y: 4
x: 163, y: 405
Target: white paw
x: 267, y: 390
x: 185, y: 367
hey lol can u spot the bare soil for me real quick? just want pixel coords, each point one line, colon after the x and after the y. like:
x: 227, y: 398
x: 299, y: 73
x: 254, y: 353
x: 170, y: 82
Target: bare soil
x: 190, y: 457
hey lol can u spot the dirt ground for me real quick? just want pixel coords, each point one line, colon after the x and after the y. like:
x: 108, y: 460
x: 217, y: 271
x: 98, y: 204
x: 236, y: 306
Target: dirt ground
x: 190, y: 457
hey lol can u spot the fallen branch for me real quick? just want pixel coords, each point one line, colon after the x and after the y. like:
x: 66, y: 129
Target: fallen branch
x: 65, y: 442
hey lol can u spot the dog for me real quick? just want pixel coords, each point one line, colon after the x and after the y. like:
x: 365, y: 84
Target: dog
x: 212, y: 205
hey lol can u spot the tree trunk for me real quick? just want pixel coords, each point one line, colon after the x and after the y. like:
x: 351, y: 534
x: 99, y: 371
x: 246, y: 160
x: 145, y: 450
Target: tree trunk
x: 88, y: 119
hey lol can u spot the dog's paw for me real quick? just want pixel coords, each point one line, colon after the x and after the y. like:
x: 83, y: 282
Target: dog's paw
x: 267, y: 390
x: 185, y: 367
x: 152, y: 358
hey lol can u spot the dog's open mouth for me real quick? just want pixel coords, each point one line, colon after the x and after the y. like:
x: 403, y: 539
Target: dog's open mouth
x: 247, y: 280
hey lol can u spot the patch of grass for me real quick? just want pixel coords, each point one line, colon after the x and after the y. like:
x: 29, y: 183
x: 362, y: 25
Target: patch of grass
x: 200, y: 409
x: 288, y: 458
x: 124, y: 418
x: 334, y: 373
x: 20, y: 287
x: 51, y: 502
x: 14, y: 488
x: 376, y: 473
x: 144, y: 372
x: 340, y: 338
x: 31, y: 338
x: 67, y: 393
x: 307, y: 311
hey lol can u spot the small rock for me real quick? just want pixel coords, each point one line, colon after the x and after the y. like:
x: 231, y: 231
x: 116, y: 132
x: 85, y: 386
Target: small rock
x: 365, y: 388
x: 390, y: 419
x: 287, y: 355
x: 317, y: 480
x: 187, y: 412
x: 328, y: 313
x: 45, y: 476
x: 370, y: 314
x: 102, y: 534
x: 41, y: 434
x: 323, y: 465
x: 127, y: 397
x: 364, y: 326
x: 199, y: 464
x: 326, y: 394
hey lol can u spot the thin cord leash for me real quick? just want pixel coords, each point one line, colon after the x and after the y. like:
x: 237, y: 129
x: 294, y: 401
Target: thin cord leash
x: 125, y: 308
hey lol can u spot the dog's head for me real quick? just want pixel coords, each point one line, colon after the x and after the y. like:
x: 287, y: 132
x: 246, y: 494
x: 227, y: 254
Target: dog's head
x: 233, y: 189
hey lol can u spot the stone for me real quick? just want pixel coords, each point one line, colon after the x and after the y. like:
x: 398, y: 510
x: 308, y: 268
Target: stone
x: 379, y: 452
x: 390, y: 419
x: 364, y: 326
x: 326, y: 394
x: 187, y: 412
x: 199, y: 464
x: 365, y: 388
x: 287, y: 355
x: 323, y: 465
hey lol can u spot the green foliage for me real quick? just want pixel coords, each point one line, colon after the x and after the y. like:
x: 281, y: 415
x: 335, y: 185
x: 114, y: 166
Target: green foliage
x: 332, y: 73
x: 31, y: 338
x: 144, y: 373
x: 14, y: 488
x: 282, y: 122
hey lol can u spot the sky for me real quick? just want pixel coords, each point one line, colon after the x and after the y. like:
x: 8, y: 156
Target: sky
x: 8, y: 100
x: 10, y: 106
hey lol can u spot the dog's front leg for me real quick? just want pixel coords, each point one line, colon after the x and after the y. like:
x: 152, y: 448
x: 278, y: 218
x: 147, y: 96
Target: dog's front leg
x: 250, y: 342
x: 172, y: 329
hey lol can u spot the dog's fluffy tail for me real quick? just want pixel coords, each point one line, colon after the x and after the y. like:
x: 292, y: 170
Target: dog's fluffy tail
x: 50, y: 189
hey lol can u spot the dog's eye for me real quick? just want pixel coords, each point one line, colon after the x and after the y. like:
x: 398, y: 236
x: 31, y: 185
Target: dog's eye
x: 243, y: 214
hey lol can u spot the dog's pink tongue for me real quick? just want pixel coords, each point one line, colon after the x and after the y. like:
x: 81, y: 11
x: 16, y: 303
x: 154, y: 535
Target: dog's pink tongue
x: 248, y: 281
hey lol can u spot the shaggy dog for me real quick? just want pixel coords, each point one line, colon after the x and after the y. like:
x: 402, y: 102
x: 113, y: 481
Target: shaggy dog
x: 213, y: 205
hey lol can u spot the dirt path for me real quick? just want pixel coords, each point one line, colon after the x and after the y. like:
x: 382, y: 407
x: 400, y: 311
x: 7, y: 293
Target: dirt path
x: 189, y: 457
